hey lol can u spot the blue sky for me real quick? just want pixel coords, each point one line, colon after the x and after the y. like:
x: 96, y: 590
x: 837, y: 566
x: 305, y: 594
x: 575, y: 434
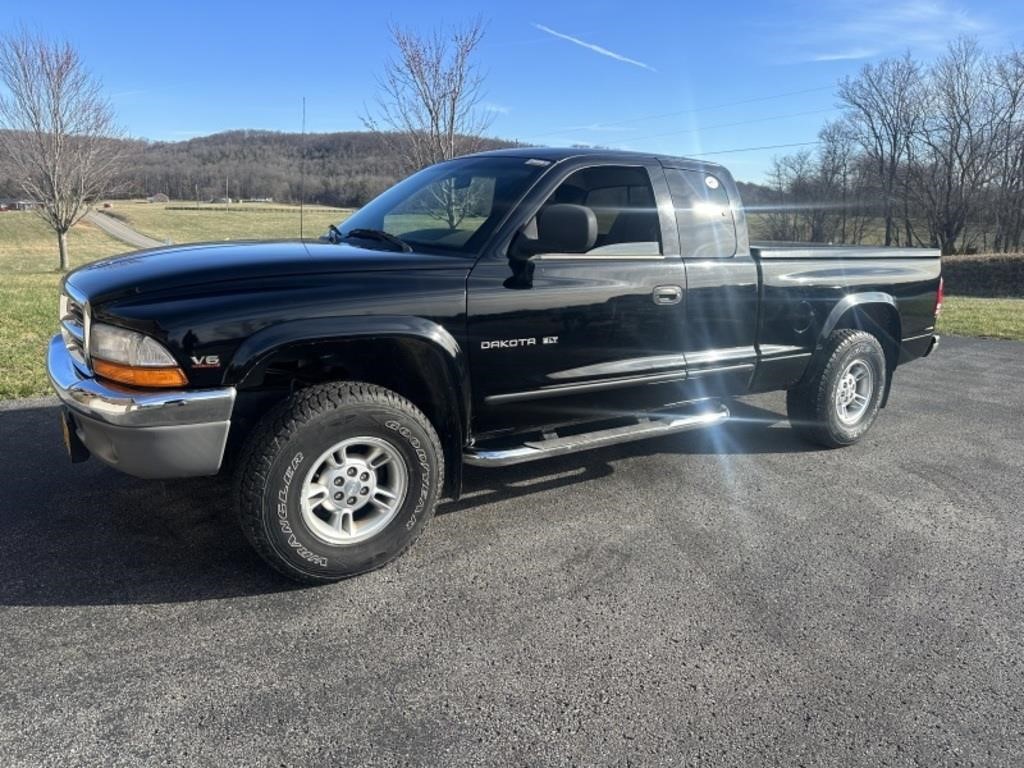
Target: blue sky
x: 680, y: 77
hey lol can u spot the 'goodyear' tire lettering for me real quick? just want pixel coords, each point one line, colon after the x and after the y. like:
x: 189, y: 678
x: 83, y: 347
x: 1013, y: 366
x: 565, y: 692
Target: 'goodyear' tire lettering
x: 421, y: 456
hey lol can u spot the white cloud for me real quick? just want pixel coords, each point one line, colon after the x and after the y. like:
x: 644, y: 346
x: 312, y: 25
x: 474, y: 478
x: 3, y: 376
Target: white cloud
x: 861, y: 29
x: 498, y: 109
x: 595, y: 48
x: 848, y: 55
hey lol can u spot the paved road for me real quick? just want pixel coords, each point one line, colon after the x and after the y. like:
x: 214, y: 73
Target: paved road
x: 118, y: 229
x: 728, y: 598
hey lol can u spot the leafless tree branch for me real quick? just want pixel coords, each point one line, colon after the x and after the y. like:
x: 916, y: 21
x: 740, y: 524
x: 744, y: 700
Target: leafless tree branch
x: 57, y: 131
x: 430, y: 93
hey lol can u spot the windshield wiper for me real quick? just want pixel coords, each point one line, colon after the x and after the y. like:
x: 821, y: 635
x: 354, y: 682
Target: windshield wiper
x: 378, y: 234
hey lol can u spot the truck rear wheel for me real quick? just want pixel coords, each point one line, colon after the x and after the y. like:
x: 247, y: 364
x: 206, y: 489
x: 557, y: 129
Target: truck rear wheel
x: 338, y: 480
x: 837, y: 400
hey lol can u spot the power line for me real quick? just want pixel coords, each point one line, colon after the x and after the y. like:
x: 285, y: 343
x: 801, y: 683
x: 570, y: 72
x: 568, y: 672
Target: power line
x: 642, y: 118
x: 753, y: 149
x: 729, y: 125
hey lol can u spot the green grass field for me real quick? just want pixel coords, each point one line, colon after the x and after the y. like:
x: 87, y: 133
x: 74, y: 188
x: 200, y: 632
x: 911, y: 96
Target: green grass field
x: 993, y: 318
x: 28, y: 294
x: 29, y: 278
x: 183, y: 222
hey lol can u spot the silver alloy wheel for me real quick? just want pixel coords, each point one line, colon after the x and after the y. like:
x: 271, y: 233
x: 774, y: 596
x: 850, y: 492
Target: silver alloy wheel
x: 853, y: 395
x: 354, y: 490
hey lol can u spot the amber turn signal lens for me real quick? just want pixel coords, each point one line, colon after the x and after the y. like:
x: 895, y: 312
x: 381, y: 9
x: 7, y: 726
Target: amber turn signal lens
x: 139, y: 377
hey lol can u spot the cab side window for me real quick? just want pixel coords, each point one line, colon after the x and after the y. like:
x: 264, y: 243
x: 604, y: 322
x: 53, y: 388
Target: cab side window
x: 703, y: 214
x: 621, y: 200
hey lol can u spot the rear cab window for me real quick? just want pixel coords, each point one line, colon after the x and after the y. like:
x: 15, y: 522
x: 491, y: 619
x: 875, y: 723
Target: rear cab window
x: 704, y: 215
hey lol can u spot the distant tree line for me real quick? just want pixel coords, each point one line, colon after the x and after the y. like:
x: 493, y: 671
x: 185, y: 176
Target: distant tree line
x: 923, y: 155
x: 344, y: 169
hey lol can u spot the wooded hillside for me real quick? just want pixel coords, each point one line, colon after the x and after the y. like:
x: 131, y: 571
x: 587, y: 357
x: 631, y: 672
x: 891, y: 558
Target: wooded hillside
x: 343, y: 169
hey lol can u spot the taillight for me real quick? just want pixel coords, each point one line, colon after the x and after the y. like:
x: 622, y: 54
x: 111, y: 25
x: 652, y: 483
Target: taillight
x: 938, y: 296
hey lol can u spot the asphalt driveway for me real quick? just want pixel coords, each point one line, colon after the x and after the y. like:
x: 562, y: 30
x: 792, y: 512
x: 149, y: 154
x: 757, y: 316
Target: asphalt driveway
x: 122, y: 231
x: 731, y: 597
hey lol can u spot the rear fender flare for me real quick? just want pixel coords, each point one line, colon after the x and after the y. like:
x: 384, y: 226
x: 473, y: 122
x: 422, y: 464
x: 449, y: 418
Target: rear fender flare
x: 850, y: 301
x: 864, y: 300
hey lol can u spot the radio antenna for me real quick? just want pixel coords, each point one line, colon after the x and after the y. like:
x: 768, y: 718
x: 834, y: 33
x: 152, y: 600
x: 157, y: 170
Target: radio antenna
x: 302, y: 170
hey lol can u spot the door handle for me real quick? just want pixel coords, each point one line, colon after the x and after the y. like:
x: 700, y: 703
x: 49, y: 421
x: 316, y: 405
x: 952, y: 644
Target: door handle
x: 667, y: 295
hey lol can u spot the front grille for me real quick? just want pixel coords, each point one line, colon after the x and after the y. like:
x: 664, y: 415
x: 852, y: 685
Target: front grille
x: 73, y: 323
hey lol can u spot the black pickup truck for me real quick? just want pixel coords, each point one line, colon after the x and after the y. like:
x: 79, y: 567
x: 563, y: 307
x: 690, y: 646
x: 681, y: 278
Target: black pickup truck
x: 490, y: 310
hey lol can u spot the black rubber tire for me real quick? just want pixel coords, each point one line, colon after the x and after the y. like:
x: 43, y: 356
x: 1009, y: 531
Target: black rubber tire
x: 810, y: 403
x: 280, y: 452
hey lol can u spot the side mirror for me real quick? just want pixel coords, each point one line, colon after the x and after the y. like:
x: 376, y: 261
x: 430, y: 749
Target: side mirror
x: 562, y: 228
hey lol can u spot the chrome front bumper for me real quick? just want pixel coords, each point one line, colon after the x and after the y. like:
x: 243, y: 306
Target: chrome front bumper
x: 147, y: 433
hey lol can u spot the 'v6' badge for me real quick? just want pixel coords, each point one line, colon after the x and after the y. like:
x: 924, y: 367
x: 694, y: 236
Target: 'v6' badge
x: 206, y: 361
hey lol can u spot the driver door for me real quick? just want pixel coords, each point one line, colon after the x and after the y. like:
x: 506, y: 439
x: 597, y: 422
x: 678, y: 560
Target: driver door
x: 560, y: 337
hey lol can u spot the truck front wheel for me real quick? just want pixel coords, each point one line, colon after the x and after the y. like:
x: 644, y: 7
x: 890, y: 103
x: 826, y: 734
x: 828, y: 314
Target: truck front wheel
x: 837, y: 400
x: 338, y: 480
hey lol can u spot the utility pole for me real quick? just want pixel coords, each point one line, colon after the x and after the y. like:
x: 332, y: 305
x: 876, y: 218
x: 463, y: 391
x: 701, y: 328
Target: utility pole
x: 302, y: 169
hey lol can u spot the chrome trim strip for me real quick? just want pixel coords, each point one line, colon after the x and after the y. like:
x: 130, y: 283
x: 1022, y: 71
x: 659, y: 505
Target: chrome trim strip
x: 782, y: 251
x: 721, y: 369
x: 83, y: 305
x: 783, y: 350
x: 76, y: 330
x: 632, y: 365
x: 723, y: 355
x: 128, y: 407
x: 597, y: 257
x: 558, y: 446
x: 594, y: 386
x: 75, y: 294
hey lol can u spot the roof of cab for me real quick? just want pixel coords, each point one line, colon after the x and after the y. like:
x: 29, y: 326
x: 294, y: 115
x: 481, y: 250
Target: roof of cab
x: 557, y: 154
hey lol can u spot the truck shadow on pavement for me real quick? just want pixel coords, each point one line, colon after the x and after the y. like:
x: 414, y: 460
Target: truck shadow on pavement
x: 752, y: 430
x: 85, y: 534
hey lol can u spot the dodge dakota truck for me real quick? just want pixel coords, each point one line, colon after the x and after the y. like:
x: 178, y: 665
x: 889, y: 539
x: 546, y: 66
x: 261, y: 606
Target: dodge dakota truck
x: 494, y: 309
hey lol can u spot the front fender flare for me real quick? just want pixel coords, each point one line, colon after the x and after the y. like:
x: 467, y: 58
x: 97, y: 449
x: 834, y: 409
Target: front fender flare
x: 264, y: 343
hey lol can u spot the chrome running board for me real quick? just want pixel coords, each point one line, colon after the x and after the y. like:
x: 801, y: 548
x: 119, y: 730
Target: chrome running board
x: 558, y: 446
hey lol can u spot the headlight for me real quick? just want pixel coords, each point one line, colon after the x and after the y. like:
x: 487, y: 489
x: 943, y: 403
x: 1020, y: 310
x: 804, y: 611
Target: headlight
x: 119, y: 345
x: 130, y: 357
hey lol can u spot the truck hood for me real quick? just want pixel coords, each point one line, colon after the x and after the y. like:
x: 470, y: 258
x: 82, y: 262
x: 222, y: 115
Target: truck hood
x: 181, y: 267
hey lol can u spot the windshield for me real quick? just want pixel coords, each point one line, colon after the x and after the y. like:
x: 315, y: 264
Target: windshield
x: 451, y: 207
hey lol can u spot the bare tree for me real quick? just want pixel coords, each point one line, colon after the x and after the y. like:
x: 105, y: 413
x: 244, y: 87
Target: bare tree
x: 936, y: 151
x: 428, y: 109
x: 1006, y: 197
x: 842, y: 185
x: 883, y: 107
x: 815, y: 195
x: 56, y: 130
x: 957, y: 143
